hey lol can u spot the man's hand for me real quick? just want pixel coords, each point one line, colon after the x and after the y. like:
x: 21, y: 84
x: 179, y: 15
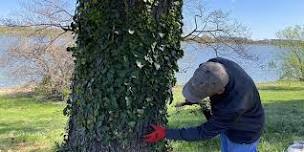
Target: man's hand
x: 157, y: 135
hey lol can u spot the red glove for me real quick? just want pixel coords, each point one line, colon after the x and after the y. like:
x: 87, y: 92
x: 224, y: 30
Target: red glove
x: 158, y: 134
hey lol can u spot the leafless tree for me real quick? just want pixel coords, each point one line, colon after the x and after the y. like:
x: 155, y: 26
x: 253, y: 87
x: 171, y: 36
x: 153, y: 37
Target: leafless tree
x: 42, y: 14
x: 38, y: 53
x: 214, y: 29
x: 32, y: 59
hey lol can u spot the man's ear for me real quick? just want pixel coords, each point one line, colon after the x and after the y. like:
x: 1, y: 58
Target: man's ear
x: 221, y: 91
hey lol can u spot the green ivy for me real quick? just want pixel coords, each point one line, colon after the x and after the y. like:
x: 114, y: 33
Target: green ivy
x: 126, y: 59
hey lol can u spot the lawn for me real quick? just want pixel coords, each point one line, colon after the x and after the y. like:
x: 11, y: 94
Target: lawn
x: 27, y: 124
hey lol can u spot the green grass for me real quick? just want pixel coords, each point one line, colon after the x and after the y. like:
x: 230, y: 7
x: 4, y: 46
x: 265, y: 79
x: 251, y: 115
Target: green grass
x: 29, y: 125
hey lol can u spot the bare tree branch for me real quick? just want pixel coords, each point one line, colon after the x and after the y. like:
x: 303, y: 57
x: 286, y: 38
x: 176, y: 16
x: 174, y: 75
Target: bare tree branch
x: 216, y: 30
x: 41, y: 52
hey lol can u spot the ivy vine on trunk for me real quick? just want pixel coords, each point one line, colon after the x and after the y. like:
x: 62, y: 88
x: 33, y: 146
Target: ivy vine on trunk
x: 125, y: 63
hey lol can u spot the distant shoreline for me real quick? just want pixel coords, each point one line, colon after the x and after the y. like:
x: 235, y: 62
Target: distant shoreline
x: 26, y: 31
x: 16, y: 90
x: 11, y: 31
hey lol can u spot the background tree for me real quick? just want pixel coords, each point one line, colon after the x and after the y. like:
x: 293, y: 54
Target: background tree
x: 34, y: 60
x: 126, y: 59
x: 214, y: 29
x: 39, y: 34
x: 292, y: 38
x: 206, y: 28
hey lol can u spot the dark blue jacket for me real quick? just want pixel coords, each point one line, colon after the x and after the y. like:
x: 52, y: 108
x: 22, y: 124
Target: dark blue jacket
x: 238, y: 112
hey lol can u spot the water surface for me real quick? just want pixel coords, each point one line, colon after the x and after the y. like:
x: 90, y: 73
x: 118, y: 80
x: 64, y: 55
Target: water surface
x: 258, y: 68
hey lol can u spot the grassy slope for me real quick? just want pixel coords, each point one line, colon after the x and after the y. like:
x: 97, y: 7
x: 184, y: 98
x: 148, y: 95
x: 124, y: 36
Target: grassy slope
x: 29, y: 125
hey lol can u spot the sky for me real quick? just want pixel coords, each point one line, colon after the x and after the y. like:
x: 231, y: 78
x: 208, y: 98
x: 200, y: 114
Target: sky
x: 7, y: 6
x: 263, y: 17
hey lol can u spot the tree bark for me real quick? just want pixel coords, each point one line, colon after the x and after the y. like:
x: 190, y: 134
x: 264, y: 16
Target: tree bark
x: 126, y: 59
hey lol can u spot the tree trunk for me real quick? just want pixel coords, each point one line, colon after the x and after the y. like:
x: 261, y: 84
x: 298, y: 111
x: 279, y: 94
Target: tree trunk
x: 126, y: 59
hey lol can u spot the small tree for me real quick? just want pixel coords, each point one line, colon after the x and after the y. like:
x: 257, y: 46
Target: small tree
x: 37, y: 53
x: 214, y: 29
x: 292, y: 38
x: 126, y: 58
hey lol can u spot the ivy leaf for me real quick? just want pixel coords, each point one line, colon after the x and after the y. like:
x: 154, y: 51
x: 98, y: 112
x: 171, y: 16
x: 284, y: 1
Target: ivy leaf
x: 140, y: 111
x: 139, y: 64
x: 131, y: 124
x: 157, y: 66
x: 153, y: 46
x: 131, y: 31
x: 83, y: 61
x: 162, y: 47
x: 148, y: 99
x: 125, y: 58
x: 128, y: 101
x: 161, y: 35
x: 149, y: 59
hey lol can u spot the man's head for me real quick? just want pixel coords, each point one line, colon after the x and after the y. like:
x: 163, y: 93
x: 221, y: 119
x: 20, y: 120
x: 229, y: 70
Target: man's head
x: 208, y: 80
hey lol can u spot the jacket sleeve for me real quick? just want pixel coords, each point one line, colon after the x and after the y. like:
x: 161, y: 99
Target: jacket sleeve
x: 214, y: 126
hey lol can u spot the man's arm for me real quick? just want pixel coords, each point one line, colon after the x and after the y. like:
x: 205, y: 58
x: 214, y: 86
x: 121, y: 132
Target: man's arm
x: 214, y: 126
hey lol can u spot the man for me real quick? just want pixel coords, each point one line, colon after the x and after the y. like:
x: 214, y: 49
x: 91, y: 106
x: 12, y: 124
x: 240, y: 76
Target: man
x: 236, y: 115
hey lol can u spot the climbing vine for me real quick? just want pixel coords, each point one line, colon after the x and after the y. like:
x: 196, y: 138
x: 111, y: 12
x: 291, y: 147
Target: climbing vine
x: 125, y: 62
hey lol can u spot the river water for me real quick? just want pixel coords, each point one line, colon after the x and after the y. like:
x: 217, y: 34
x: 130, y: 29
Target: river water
x: 258, y: 66
x: 261, y: 62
